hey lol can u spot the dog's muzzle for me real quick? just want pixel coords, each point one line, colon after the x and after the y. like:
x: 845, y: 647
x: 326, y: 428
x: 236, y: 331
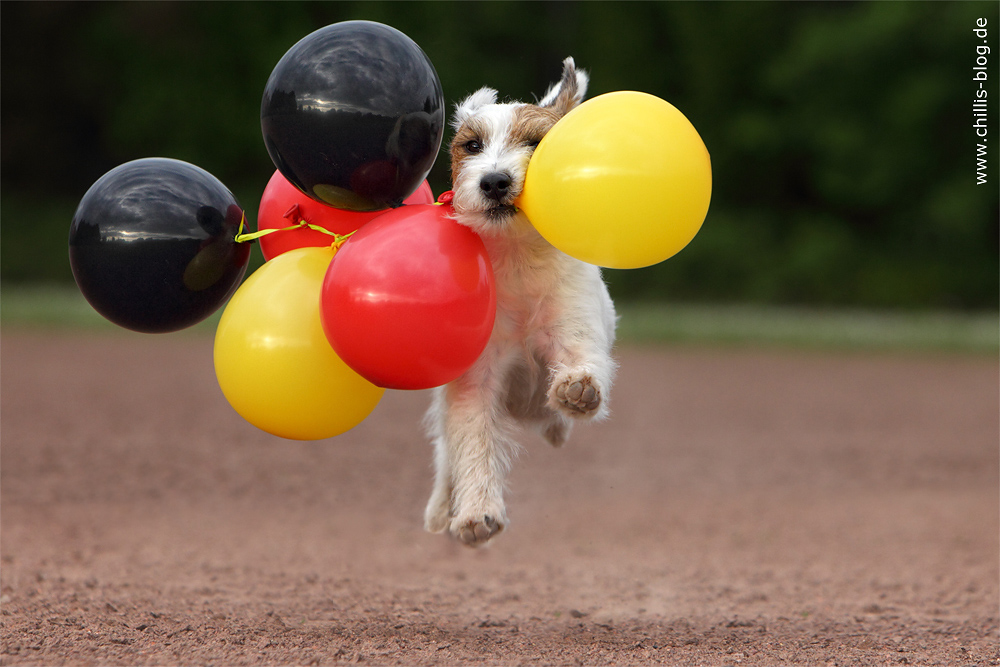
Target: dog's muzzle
x: 497, y: 188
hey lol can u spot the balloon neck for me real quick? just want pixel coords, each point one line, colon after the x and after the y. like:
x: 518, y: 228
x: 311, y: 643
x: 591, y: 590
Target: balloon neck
x: 293, y: 214
x: 446, y: 197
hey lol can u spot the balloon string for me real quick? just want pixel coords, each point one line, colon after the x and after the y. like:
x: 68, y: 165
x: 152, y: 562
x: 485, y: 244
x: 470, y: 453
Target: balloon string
x: 338, y: 239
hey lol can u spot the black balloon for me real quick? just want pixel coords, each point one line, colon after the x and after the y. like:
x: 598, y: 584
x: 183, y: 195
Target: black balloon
x: 152, y: 245
x: 353, y: 115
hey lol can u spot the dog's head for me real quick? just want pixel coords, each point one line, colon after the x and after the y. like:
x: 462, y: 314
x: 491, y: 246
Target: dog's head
x: 492, y: 146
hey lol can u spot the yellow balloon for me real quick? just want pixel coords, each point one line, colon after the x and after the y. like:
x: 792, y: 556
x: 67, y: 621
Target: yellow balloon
x: 622, y: 181
x: 273, y: 361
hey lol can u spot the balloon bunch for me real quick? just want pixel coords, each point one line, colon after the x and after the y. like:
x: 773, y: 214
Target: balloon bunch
x: 352, y: 300
x: 368, y: 283
x: 308, y: 344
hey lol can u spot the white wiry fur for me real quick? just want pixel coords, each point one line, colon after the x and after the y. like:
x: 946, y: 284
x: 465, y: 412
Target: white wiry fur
x: 548, y: 360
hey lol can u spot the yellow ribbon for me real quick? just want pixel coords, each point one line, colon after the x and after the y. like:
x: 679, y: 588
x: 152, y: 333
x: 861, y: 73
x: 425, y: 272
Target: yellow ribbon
x: 241, y: 237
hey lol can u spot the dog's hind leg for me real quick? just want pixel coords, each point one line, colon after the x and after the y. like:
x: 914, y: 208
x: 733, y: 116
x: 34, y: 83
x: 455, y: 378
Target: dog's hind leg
x: 438, y: 512
x: 556, y: 430
x: 527, y: 387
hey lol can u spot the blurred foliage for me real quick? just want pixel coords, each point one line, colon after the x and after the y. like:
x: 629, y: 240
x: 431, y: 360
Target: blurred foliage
x: 840, y: 133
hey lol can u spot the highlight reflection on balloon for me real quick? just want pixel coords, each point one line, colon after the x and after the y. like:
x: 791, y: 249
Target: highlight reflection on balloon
x: 152, y: 245
x: 353, y: 115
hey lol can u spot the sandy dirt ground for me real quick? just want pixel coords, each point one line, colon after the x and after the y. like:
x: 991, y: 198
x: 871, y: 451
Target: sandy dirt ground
x: 740, y: 508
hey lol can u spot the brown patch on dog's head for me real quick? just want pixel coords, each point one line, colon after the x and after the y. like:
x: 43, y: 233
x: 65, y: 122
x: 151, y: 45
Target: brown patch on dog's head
x: 460, y: 143
x: 531, y: 124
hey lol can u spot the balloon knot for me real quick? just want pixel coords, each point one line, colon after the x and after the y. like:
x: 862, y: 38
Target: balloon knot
x: 446, y: 197
x: 242, y: 237
x: 339, y: 240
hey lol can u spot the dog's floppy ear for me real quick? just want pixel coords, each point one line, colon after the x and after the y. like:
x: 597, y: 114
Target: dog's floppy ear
x: 471, y: 104
x: 570, y: 90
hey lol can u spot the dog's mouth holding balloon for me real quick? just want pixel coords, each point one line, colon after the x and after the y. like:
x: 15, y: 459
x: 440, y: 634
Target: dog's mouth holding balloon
x: 501, y: 213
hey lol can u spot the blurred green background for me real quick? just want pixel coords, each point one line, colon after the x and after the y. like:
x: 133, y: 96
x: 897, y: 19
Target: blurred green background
x: 841, y: 134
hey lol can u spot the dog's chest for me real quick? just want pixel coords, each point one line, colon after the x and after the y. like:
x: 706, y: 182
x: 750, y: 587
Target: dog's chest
x: 528, y: 281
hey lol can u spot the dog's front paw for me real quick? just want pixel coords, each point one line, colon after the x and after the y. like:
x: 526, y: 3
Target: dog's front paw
x: 578, y: 394
x: 476, y: 532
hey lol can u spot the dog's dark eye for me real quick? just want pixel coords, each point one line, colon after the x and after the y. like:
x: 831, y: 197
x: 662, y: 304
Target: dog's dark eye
x: 473, y: 147
x: 533, y: 144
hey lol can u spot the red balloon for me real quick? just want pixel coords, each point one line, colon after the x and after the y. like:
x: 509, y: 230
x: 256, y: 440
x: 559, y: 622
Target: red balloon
x: 282, y: 205
x: 409, y: 300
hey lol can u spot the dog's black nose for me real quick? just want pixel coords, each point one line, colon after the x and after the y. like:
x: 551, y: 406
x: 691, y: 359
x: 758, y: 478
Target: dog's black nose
x: 495, y: 186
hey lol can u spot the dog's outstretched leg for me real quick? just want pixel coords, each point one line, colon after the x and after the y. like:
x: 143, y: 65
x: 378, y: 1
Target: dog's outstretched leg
x: 581, y: 365
x: 473, y: 448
